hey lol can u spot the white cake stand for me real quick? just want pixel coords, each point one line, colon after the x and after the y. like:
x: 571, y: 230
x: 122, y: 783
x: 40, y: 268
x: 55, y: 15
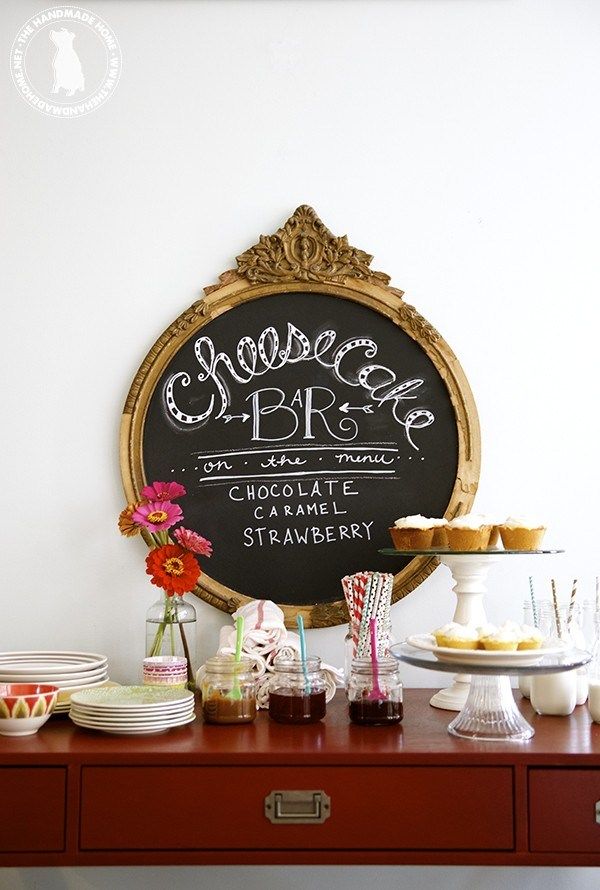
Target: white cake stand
x: 469, y: 570
x: 469, y: 573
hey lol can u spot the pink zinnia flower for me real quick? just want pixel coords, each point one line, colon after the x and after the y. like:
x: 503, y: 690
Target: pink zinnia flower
x: 192, y: 541
x: 157, y: 515
x: 163, y: 491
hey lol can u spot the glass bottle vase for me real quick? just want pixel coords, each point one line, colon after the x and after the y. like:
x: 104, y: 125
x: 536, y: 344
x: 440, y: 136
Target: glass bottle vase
x: 171, y: 630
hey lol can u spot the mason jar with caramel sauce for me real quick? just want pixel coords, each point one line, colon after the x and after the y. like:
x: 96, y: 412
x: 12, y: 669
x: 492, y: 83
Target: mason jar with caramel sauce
x: 228, y: 690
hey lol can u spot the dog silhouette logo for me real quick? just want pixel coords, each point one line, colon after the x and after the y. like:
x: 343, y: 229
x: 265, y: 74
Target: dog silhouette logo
x: 68, y: 73
x: 65, y: 61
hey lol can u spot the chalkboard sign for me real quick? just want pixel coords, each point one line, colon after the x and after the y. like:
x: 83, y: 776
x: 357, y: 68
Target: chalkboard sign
x: 303, y: 417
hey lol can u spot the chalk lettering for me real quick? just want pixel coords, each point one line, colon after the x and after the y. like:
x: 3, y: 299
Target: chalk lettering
x: 216, y: 466
x: 301, y: 489
x: 346, y: 458
x: 347, y: 424
x: 345, y: 361
x: 310, y: 534
x: 260, y: 410
x: 282, y: 461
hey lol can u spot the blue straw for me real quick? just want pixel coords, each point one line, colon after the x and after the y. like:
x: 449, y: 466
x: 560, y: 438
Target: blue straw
x: 302, y: 635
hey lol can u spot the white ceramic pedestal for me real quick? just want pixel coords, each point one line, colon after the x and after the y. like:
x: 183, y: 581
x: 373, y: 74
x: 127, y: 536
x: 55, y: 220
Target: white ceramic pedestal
x: 469, y: 571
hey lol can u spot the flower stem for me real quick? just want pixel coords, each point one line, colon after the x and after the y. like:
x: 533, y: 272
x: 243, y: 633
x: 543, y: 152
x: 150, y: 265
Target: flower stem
x: 172, y: 635
x: 157, y: 644
x: 156, y: 647
x: 190, y: 671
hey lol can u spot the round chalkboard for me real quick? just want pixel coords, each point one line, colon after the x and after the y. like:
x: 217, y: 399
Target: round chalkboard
x: 302, y: 425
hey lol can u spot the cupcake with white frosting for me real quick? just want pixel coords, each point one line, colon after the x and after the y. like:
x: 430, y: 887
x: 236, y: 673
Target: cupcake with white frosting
x: 504, y: 639
x: 531, y: 637
x: 518, y: 533
x: 485, y: 630
x: 495, y: 522
x: 456, y: 636
x: 468, y: 532
x: 417, y: 532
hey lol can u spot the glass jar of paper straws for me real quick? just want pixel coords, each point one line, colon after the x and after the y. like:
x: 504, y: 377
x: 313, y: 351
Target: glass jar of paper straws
x: 368, y: 595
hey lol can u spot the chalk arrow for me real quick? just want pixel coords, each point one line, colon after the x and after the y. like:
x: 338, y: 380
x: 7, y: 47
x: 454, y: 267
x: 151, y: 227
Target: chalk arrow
x: 242, y: 417
x: 368, y: 409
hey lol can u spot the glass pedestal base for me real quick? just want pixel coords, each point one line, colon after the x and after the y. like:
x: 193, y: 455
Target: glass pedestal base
x: 490, y: 713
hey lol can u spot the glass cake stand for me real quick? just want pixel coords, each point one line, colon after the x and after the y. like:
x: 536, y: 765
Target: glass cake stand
x: 469, y: 570
x: 490, y: 713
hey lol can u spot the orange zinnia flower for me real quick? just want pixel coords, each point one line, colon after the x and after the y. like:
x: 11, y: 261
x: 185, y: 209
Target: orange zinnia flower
x: 173, y: 569
x: 127, y: 526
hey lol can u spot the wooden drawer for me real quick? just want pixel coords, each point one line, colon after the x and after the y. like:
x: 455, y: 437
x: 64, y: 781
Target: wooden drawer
x: 562, y: 810
x: 166, y: 808
x: 32, y: 809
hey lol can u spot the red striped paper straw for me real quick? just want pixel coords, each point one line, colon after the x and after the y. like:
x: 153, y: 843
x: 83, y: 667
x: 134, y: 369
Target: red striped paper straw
x: 358, y: 589
x: 346, y: 587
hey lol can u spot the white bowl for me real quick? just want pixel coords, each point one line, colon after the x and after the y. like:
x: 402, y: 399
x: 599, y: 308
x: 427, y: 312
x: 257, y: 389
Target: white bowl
x: 18, y: 726
x: 24, y: 707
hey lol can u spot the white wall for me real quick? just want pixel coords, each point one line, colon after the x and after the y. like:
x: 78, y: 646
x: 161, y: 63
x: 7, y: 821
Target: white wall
x: 456, y: 140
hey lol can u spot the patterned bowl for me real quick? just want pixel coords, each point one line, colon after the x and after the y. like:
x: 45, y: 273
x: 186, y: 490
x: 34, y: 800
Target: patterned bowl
x: 24, y: 707
x: 165, y: 670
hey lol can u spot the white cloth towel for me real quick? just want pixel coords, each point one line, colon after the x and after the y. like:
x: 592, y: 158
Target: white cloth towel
x: 264, y: 627
x: 265, y: 639
x: 288, y: 649
x: 259, y: 664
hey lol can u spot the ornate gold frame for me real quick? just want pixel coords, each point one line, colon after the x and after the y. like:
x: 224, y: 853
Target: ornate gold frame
x: 305, y: 256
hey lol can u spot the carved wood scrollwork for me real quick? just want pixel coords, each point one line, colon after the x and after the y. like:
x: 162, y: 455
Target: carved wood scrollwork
x: 302, y: 250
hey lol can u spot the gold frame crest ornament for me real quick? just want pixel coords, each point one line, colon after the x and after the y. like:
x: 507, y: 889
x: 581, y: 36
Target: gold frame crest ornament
x: 304, y: 256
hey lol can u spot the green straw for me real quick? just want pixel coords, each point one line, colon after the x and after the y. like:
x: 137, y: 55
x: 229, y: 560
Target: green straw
x: 236, y: 692
x: 302, y: 635
x: 239, y: 637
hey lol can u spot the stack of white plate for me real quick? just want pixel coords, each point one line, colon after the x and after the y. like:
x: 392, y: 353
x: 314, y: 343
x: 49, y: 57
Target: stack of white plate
x: 70, y: 671
x: 132, y: 710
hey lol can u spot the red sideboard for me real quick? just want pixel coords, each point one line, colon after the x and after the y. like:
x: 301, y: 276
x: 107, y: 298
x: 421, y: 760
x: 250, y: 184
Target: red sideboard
x: 209, y: 794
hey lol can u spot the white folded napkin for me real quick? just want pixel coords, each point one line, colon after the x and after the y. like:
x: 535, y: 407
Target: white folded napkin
x: 288, y: 650
x: 264, y: 627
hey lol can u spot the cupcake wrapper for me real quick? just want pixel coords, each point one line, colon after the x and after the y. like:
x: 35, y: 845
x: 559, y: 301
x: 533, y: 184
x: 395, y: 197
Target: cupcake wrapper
x: 469, y: 538
x: 522, y: 538
x: 412, y: 538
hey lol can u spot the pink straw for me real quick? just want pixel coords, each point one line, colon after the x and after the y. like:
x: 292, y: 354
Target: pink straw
x: 376, y: 694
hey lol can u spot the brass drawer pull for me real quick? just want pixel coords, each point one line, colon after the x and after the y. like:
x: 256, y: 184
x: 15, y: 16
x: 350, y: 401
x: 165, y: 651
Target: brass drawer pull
x: 598, y: 812
x: 297, y: 807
